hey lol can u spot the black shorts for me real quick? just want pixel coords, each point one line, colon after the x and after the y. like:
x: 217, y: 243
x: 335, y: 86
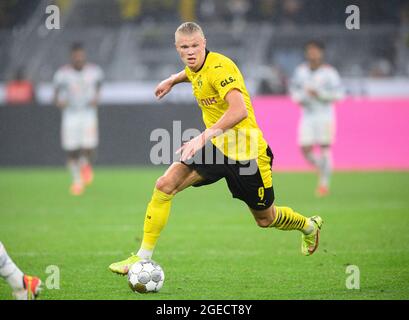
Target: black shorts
x: 255, y: 189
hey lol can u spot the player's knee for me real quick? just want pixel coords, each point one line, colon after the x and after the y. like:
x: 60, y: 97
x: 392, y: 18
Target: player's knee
x: 73, y: 155
x: 165, y: 185
x: 264, y: 222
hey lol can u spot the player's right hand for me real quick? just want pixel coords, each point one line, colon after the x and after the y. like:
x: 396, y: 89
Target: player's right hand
x: 163, y: 88
x: 312, y: 92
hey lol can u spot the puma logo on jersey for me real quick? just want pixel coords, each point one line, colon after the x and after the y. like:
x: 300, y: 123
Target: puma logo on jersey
x: 227, y: 81
x: 208, y: 101
x: 218, y: 66
x: 149, y: 217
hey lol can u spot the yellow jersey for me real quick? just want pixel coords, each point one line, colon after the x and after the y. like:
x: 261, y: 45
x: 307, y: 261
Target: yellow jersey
x: 210, y: 84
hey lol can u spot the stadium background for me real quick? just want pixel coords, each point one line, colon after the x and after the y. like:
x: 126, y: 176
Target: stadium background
x: 132, y: 40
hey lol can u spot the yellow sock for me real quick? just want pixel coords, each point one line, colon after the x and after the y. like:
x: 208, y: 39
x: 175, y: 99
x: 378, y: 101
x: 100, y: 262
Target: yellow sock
x: 156, y: 217
x: 287, y: 219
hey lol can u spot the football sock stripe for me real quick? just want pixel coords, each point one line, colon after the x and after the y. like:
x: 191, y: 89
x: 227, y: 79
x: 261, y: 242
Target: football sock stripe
x: 288, y: 219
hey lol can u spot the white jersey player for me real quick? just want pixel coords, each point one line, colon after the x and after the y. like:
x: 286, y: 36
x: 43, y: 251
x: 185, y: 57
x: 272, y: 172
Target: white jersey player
x: 315, y: 86
x: 77, y: 87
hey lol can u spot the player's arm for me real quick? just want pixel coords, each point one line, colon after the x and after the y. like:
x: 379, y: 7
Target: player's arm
x: 166, y: 85
x: 236, y: 112
x: 58, y: 84
x: 60, y: 104
x: 297, y: 91
x: 95, y: 99
x: 98, y: 84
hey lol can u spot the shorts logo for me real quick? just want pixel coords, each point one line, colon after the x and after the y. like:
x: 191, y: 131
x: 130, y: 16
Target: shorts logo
x: 227, y: 81
x: 262, y: 203
x: 208, y: 101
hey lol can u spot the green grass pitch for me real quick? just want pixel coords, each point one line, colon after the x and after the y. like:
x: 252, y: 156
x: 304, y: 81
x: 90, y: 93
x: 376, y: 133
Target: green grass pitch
x: 211, y: 248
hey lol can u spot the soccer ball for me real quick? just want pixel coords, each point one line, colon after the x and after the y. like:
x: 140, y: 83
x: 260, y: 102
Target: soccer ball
x: 146, y: 276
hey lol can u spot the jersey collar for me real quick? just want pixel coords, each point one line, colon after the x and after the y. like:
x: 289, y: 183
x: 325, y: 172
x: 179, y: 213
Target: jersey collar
x: 207, y: 53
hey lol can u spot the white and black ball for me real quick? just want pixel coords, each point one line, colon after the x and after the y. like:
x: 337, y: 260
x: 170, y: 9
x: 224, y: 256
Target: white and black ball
x: 146, y: 276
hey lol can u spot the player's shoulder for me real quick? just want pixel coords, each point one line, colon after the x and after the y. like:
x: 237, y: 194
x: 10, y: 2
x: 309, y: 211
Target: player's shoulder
x: 65, y: 68
x: 63, y: 71
x: 301, y: 68
x: 329, y: 69
x: 218, y: 61
x: 90, y: 66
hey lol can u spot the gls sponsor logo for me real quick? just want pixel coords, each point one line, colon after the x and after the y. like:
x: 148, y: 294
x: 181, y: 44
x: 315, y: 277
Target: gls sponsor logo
x: 227, y: 81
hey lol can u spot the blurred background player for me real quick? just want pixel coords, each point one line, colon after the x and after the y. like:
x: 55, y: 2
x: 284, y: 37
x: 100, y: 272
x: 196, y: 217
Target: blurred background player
x: 315, y: 86
x: 77, y: 88
x: 24, y: 287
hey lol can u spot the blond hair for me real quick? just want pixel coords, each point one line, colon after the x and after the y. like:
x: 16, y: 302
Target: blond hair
x: 189, y: 28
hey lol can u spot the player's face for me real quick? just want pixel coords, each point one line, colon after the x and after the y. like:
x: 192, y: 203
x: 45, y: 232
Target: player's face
x: 191, y: 49
x: 78, y: 59
x: 314, y: 55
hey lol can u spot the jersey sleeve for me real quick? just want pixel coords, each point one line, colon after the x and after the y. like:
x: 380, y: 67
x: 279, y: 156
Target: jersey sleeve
x: 225, y: 76
x: 58, y: 79
x: 297, y: 92
x: 100, y: 76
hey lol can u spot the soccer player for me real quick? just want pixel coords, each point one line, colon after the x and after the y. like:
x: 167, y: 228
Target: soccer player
x: 77, y: 89
x: 24, y: 287
x: 315, y: 86
x: 220, y: 91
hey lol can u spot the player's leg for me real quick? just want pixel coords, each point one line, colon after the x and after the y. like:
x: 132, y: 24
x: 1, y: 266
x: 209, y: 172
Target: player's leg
x: 261, y: 203
x: 310, y: 156
x: 71, y: 142
x: 24, y: 287
x: 306, y: 139
x: 258, y: 193
x: 285, y: 218
x: 86, y: 159
x: 326, y: 129
x: 325, y: 170
x: 176, y: 178
x: 9, y: 270
x: 322, y: 165
x: 89, y: 143
x: 73, y: 163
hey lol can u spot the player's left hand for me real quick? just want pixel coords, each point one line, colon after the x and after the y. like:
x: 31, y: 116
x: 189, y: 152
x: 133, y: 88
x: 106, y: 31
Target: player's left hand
x: 312, y: 93
x: 188, y: 149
